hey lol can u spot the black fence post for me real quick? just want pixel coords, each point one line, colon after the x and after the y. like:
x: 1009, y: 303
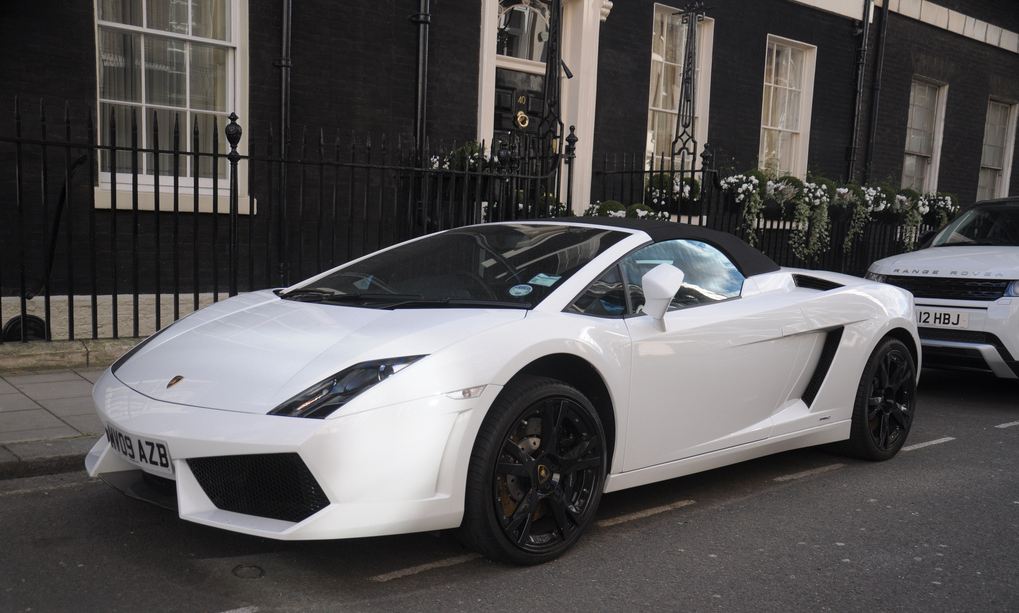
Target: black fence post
x: 571, y: 154
x: 233, y: 136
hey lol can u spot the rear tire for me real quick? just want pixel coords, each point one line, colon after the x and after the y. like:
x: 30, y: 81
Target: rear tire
x: 885, y: 403
x: 536, y: 473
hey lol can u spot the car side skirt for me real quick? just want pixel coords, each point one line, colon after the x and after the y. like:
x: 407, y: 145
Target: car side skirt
x: 820, y: 435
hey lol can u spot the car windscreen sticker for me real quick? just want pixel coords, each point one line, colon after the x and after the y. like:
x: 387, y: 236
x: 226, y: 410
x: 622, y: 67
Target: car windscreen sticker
x: 365, y: 283
x: 544, y: 280
x: 520, y: 290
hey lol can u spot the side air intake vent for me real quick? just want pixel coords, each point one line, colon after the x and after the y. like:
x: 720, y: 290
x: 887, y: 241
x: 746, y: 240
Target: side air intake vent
x: 831, y: 345
x: 815, y: 283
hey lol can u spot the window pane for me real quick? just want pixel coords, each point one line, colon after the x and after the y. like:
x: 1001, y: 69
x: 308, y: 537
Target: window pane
x: 792, y: 121
x: 165, y: 71
x: 119, y: 70
x: 769, y: 150
x: 164, y: 123
x: 657, y: 78
x: 121, y: 124
x: 523, y: 30
x: 167, y: 15
x: 658, y: 35
x: 675, y: 44
x: 209, y: 125
x: 208, y: 77
x: 121, y: 11
x: 795, y: 68
x: 661, y: 131
x: 782, y: 63
x: 210, y: 19
x: 766, y: 106
x: 987, y: 187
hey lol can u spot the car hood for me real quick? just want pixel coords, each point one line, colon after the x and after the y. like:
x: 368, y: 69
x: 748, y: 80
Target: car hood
x: 253, y: 352
x: 959, y: 261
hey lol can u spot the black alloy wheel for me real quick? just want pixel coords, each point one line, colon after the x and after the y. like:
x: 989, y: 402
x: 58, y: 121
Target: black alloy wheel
x: 885, y: 403
x: 537, y: 473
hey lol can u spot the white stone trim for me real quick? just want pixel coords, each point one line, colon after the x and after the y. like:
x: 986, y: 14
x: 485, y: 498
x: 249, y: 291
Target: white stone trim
x: 944, y: 18
x: 852, y: 9
x: 606, y: 8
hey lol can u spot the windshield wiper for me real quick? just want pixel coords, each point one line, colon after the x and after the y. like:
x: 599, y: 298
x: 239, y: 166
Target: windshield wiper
x: 327, y: 295
x: 459, y: 302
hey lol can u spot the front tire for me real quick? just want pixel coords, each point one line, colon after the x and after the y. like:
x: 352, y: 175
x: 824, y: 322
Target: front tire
x: 536, y: 474
x: 885, y: 403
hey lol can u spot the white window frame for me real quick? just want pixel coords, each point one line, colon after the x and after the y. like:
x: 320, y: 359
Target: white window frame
x: 237, y: 96
x: 802, y: 150
x: 1007, y: 154
x: 931, y: 178
x: 702, y: 95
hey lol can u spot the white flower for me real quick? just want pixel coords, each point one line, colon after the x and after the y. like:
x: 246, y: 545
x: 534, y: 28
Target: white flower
x: 617, y: 213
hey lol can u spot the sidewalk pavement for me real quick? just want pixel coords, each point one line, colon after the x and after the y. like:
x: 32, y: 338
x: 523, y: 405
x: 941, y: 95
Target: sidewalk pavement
x: 47, y: 421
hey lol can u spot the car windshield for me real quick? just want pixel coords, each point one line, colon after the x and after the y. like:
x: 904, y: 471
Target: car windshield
x: 991, y: 224
x: 497, y: 265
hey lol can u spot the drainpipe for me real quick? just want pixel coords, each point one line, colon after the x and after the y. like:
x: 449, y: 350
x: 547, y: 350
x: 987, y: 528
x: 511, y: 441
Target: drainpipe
x: 284, y: 66
x: 423, y: 19
x: 861, y: 69
x: 876, y: 91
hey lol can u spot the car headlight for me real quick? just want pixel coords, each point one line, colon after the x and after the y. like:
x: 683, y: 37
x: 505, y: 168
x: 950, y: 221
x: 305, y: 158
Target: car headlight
x: 1012, y: 290
x: 325, y: 397
x: 873, y: 276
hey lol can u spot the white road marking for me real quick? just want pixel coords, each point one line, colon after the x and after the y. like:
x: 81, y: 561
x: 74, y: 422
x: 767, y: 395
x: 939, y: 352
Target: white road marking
x: 420, y: 568
x: 1008, y: 425
x: 936, y: 441
x: 241, y: 610
x: 809, y: 473
x: 622, y: 519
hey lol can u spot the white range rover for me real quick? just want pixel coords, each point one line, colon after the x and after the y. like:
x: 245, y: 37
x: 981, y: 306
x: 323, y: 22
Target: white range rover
x: 966, y: 289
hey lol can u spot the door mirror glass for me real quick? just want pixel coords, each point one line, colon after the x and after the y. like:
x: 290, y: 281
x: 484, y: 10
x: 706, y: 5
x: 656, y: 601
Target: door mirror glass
x: 659, y: 285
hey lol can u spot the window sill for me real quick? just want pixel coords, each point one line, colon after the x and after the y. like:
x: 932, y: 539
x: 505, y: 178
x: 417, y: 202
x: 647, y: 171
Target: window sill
x: 246, y: 205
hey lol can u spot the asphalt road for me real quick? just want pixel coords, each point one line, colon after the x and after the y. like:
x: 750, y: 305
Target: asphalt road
x: 935, y: 529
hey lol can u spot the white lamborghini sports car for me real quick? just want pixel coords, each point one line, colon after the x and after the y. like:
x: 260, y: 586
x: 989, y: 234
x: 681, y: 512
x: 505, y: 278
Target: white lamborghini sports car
x: 498, y: 379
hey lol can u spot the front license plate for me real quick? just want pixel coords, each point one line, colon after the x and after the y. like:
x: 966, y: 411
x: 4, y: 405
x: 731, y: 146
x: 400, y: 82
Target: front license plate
x: 150, y: 454
x: 930, y: 318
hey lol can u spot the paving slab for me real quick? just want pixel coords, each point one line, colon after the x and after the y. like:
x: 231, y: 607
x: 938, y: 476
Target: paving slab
x: 63, y: 407
x: 86, y: 424
x: 38, y: 434
x: 32, y: 419
x: 90, y: 374
x: 7, y: 388
x: 43, y: 377
x: 16, y: 402
x: 57, y: 389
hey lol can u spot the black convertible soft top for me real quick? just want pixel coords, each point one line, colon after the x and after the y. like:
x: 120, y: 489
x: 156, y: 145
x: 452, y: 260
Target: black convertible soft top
x: 748, y: 260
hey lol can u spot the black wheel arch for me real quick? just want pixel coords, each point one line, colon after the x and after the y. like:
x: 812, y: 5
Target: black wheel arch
x: 581, y: 374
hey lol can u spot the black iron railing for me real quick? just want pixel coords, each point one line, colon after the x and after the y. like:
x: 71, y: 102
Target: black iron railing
x: 105, y: 234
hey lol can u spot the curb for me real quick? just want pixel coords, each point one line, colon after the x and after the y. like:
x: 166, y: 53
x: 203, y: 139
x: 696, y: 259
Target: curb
x: 43, y: 355
x: 35, y: 458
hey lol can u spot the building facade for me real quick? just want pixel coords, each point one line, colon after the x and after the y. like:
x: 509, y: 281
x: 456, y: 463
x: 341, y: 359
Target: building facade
x: 907, y: 93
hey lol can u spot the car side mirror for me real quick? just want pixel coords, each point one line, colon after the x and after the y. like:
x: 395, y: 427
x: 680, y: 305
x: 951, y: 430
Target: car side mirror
x: 660, y: 285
